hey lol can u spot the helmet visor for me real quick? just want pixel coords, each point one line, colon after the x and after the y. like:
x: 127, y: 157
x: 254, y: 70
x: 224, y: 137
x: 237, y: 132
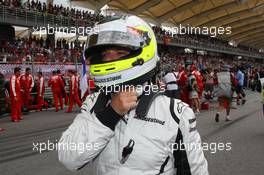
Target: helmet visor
x: 108, y: 53
x: 129, y: 39
x: 101, y: 44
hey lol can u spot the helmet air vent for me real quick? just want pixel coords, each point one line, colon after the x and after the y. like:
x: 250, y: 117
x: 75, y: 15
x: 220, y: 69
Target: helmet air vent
x: 139, y: 61
x: 112, y: 68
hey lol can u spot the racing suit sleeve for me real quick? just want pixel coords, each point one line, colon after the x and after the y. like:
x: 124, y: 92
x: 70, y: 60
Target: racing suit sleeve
x: 21, y: 81
x: 13, y: 85
x: 32, y: 83
x: 41, y: 84
x: 73, y: 83
x: 190, y: 160
x: 49, y: 82
x: 86, y: 129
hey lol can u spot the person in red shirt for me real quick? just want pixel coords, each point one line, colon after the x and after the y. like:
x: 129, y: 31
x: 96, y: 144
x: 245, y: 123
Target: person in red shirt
x: 91, y: 84
x: 78, y: 79
x: 74, y: 91
x: 40, y: 92
x: 182, y: 83
x: 91, y: 87
x: 27, y: 83
x: 199, y: 79
x: 64, y: 92
x: 56, y: 84
x: 15, y: 95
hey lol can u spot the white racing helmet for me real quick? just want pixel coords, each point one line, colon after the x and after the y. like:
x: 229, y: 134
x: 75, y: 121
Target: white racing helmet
x: 128, y: 33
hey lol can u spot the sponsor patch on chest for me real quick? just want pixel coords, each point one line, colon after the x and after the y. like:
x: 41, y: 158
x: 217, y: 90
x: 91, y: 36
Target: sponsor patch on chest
x: 152, y: 120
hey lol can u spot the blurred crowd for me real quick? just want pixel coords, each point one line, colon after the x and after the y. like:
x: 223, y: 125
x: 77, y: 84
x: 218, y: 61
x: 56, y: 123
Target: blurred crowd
x: 53, y: 9
x: 203, y: 39
x: 204, y: 63
x: 25, y: 91
x: 41, y: 50
x: 195, y: 78
x: 90, y: 17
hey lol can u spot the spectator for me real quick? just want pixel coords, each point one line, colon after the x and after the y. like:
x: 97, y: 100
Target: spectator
x: 40, y: 92
x: 239, y: 90
x: 26, y: 83
x: 225, y: 81
x: 171, y: 84
x: 56, y: 83
x: 193, y: 92
x: 15, y: 94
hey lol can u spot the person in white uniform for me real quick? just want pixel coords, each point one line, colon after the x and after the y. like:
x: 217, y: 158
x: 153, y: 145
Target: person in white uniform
x: 130, y: 132
x: 172, y: 88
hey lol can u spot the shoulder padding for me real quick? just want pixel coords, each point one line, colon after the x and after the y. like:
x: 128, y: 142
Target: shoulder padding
x: 89, y: 102
x: 180, y: 106
x: 100, y: 103
x: 145, y: 103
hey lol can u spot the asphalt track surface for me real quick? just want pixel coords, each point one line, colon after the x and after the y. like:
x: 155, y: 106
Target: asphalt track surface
x: 244, y: 135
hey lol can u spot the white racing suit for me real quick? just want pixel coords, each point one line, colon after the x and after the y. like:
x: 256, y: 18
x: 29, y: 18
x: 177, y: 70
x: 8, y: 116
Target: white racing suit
x: 155, y: 141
